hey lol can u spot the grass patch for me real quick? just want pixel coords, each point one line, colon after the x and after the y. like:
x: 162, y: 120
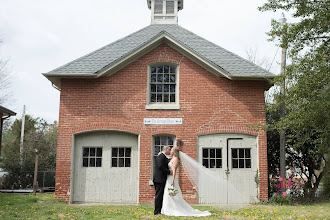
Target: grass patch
x: 44, y: 206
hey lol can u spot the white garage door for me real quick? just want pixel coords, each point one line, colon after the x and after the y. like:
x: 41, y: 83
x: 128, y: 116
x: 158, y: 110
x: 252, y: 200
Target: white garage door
x: 105, y: 168
x: 234, y: 158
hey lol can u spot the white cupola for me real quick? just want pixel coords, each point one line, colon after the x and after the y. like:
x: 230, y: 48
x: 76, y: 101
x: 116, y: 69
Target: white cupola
x: 165, y: 11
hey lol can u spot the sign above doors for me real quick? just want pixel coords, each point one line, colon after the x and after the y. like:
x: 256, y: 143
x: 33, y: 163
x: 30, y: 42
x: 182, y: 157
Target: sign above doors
x: 163, y: 121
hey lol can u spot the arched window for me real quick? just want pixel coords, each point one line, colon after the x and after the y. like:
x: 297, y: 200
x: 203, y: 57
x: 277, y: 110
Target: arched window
x: 158, y: 142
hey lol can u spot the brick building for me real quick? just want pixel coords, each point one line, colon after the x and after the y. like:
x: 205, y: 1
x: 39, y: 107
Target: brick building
x: 120, y: 104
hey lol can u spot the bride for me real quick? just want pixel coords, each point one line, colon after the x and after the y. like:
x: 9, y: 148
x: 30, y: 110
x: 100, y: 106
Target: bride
x: 175, y: 205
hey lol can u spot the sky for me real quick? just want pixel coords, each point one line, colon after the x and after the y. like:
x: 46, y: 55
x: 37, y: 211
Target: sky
x: 41, y: 35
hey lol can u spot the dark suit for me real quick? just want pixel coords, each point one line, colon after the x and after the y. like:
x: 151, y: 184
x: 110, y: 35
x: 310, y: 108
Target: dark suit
x: 160, y: 176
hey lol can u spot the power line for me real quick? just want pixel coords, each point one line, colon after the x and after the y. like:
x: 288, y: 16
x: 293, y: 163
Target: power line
x: 273, y: 59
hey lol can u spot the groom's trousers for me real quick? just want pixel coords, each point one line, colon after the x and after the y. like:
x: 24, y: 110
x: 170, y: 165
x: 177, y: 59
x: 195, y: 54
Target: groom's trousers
x: 159, y: 187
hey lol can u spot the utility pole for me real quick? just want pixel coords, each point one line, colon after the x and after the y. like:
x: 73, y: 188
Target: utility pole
x: 282, y: 111
x: 35, y: 178
x: 22, y: 133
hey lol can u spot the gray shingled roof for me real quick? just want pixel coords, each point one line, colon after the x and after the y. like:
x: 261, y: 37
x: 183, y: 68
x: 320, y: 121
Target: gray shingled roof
x: 231, y: 63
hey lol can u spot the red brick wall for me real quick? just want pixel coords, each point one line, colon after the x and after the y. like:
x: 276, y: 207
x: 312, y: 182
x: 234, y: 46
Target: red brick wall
x: 209, y: 104
x: 1, y: 124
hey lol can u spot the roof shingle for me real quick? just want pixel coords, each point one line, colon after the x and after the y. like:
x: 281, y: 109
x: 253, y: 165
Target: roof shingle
x: 93, y: 62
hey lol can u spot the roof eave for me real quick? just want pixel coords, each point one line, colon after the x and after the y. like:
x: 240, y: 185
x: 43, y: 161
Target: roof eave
x: 6, y: 111
x: 55, y: 78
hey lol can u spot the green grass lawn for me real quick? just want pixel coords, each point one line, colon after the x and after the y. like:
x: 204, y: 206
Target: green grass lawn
x: 43, y: 206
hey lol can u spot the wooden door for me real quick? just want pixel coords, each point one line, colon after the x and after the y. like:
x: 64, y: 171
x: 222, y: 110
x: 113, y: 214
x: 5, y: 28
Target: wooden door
x: 105, y: 168
x: 238, y: 156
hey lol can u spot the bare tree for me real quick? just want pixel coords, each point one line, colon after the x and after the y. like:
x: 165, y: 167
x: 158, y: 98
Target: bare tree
x: 267, y: 64
x: 5, y: 80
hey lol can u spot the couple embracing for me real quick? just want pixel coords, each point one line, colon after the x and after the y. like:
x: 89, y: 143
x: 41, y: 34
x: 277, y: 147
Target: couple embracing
x: 168, y: 199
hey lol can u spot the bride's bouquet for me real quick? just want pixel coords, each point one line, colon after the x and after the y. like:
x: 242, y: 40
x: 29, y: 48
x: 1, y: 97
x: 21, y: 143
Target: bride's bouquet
x: 172, y: 191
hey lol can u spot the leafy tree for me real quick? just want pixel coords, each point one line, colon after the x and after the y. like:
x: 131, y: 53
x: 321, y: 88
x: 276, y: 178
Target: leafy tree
x: 307, y: 98
x: 39, y: 138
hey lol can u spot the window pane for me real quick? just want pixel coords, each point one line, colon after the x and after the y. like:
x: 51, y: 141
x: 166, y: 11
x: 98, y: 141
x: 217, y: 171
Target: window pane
x: 172, y: 78
x: 166, y: 69
x: 172, y: 88
x: 160, y: 77
x: 121, y: 152
x: 170, y: 140
x: 205, y: 163
x: 212, y: 163
x: 219, y: 163
x: 166, y: 88
x: 235, y: 163
x: 159, y: 88
x: 153, y: 88
x: 114, y: 152
x: 241, y: 153
x: 169, y: 7
x: 234, y: 153
x: 153, y: 97
x: 160, y: 69
x: 241, y: 163
x: 92, y: 152
x: 172, y: 98
x: 163, y: 140
x: 114, y: 162
x: 159, y: 98
x: 153, y: 69
x: 153, y: 77
x: 85, y: 162
x: 127, y: 152
x: 98, y: 162
x: 166, y: 77
x: 247, y: 153
x: 212, y: 153
x: 127, y: 162
x: 172, y: 69
x: 157, y: 150
x: 218, y: 153
x: 248, y: 163
x: 205, y: 153
x: 166, y: 97
x: 92, y: 162
x: 99, y: 152
x: 85, y: 152
x: 157, y: 140
x: 121, y: 162
x: 158, y: 6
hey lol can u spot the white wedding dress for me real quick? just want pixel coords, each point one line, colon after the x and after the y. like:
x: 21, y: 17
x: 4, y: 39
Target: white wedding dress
x: 175, y: 205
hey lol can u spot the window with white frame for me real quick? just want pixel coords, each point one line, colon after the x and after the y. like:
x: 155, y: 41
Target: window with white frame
x: 164, y: 7
x: 212, y: 158
x: 241, y: 157
x: 121, y: 157
x: 163, y: 84
x: 92, y: 157
x: 159, y: 142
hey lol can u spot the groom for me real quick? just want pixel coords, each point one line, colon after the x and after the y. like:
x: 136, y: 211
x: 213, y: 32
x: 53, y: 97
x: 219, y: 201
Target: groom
x: 160, y: 176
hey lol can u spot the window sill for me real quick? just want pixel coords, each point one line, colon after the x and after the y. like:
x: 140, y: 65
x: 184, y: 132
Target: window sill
x: 163, y: 106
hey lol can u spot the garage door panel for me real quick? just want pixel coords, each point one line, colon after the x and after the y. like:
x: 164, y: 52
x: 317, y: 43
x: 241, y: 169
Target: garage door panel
x: 240, y: 187
x: 105, y: 183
